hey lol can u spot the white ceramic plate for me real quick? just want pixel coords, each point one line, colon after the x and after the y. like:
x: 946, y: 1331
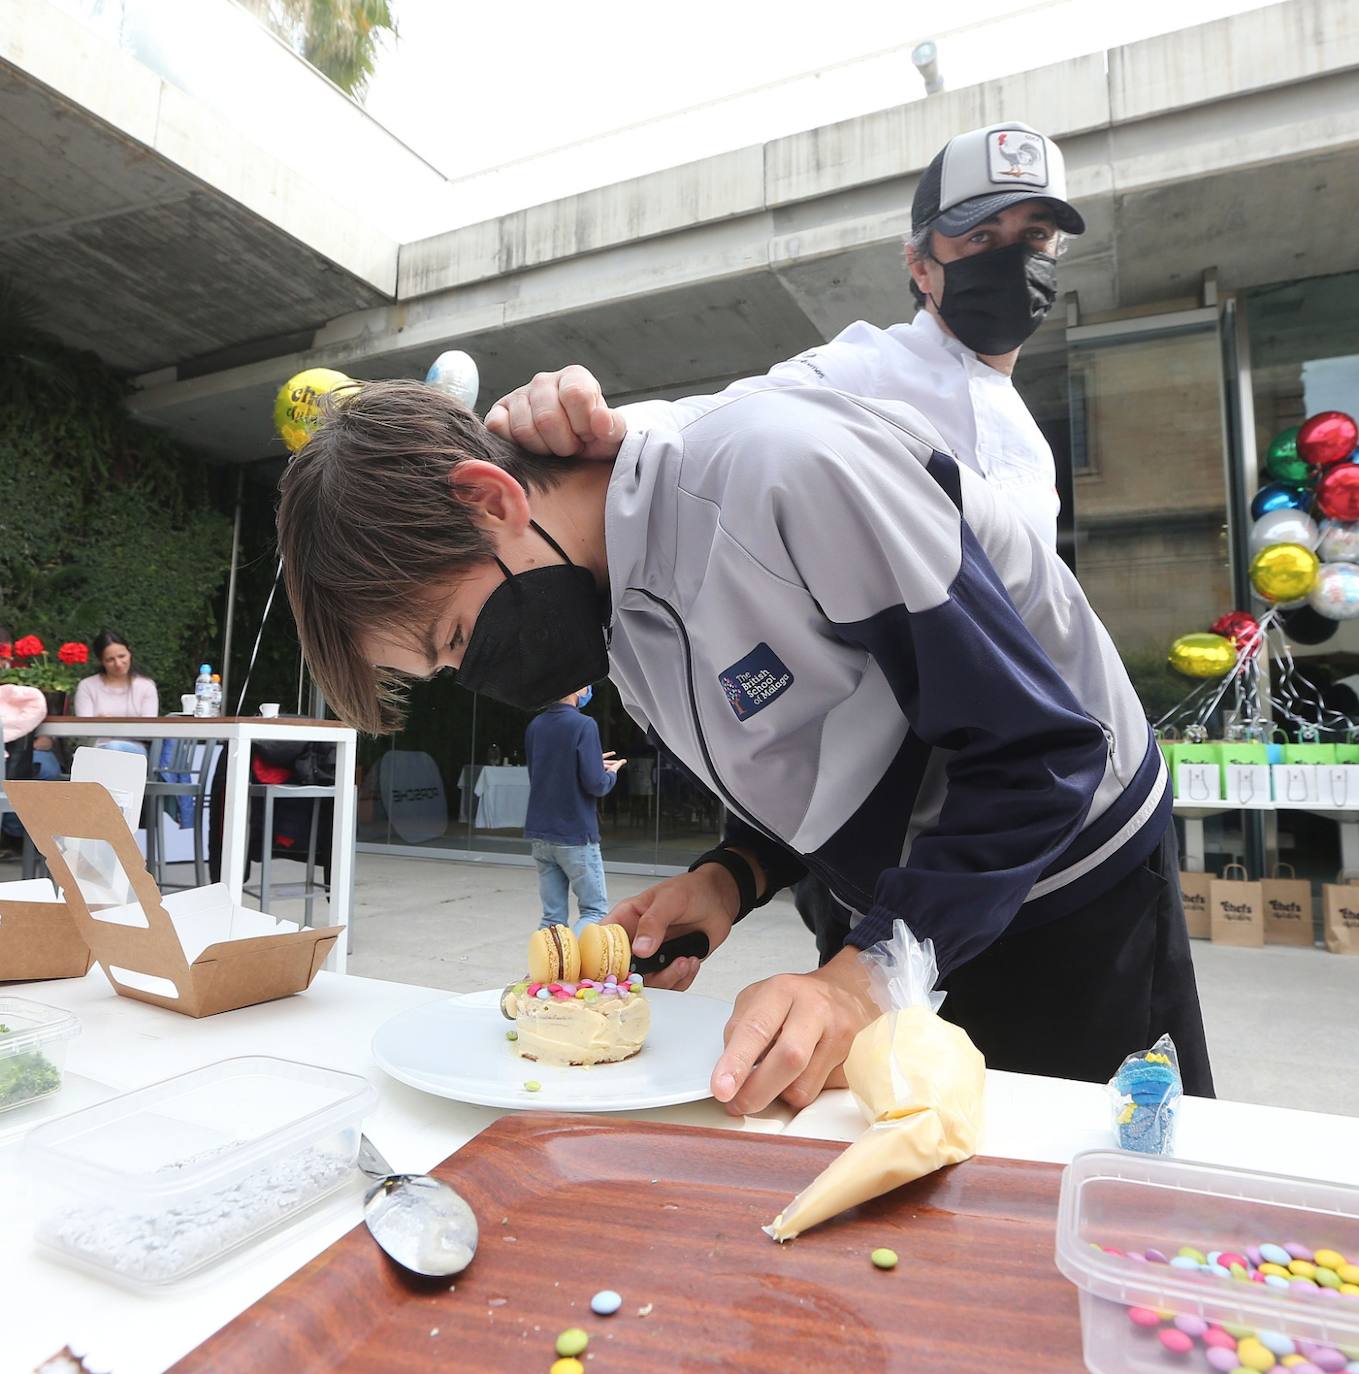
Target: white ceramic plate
x: 457, y: 1048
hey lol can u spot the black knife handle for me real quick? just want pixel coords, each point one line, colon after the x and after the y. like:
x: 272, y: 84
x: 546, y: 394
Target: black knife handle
x: 691, y: 946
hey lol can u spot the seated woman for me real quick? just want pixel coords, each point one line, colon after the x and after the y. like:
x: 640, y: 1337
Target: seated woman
x: 120, y: 689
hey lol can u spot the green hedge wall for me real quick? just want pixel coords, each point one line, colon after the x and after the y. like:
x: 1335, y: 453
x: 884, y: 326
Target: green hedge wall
x: 104, y: 522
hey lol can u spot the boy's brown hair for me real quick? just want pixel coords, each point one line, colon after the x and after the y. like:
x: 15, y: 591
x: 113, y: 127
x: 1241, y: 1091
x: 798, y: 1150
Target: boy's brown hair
x: 368, y: 523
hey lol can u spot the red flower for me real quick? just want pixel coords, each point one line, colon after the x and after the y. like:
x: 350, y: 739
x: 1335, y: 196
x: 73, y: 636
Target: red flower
x: 30, y: 646
x: 73, y: 652
x: 6, y: 652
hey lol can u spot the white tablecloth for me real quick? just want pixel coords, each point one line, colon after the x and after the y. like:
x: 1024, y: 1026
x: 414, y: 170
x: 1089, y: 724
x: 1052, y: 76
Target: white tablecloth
x: 126, y: 1044
x: 502, y: 797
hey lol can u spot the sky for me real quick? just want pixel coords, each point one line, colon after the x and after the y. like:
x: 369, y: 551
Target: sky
x: 524, y: 103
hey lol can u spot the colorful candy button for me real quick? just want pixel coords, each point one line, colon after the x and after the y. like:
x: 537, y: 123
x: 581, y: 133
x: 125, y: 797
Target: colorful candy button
x: 1297, y: 1251
x: 1279, y: 1344
x: 572, y: 1341
x: 1327, y: 1278
x: 1349, y: 1273
x: 1218, y: 1339
x: 1275, y: 1254
x: 1186, y: 1262
x: 532, y: 1085
x: 511, y: 1035
x: 1304, y: 1269
x: 1329, y: 1259
x: 1220, y: 1360
x: 1269, y: 1267
x: 1192, y: 1325
x: 567, y: 1366
x: 605, y: 1303
x: 884, y: 1258
x: 1255, y: 1356
x: 1176, y: 1341
x: 1188, y: 1252
x: 1143, y: 1316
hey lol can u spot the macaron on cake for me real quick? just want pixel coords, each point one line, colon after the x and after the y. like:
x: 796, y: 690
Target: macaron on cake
x: 579, y: 1004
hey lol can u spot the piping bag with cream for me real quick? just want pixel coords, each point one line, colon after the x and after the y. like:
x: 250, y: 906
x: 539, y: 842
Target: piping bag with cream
x: 918, y: 1080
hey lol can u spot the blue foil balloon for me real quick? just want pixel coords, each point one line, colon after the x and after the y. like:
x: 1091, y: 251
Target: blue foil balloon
x: 1279, y: 496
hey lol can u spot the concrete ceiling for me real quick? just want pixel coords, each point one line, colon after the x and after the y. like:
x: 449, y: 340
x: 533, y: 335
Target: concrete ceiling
x: 135, y: 259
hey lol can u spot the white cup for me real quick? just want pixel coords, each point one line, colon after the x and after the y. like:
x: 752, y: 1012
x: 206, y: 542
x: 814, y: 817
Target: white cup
x: 187, y: 702
x: 269, y: 709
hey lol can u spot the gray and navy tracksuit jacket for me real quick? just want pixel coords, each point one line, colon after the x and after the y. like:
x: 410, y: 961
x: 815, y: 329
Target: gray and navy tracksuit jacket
x: 887, y: 678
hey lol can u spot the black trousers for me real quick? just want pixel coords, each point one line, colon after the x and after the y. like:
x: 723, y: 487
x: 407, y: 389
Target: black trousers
x: 1074, y: 997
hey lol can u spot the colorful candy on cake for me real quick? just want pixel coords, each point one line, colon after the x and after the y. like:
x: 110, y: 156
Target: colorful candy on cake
x: 579, y: 1004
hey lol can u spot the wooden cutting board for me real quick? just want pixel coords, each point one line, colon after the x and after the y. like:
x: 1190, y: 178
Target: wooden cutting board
x: 670, y: 1217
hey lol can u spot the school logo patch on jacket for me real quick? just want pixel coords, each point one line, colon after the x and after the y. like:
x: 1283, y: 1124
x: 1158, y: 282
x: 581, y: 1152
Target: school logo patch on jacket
x: 754, y: 681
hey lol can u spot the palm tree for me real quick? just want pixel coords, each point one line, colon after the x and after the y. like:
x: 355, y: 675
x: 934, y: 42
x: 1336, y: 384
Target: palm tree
x: 338, y: 37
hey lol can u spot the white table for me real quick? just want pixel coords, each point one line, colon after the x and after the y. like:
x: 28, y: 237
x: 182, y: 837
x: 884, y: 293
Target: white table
x: 502, y: 795
x: 127, y: 1044
x: 1193, y: 814
x: 238, y: 733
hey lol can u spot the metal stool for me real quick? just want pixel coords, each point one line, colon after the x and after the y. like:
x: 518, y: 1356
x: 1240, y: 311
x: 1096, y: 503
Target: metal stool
x: 181, y: 759
x: 309, y: 888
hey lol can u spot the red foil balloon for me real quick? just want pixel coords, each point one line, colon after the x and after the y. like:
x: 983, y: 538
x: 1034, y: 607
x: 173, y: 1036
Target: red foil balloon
x: 1338, y: 491
x: 1240, y: 627
x: 1327, y: 438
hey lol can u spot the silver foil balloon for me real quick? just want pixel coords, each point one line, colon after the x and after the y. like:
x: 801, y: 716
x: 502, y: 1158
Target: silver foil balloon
x: 1335, y: 593
x: 1284, y: 527
x: 455, y: 372
x: 1339, y: 541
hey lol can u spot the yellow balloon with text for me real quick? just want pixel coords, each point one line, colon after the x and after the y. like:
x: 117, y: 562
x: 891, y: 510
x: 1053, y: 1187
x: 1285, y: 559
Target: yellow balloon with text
x: 1284, y: 572
x: 1202, y: 655
x: 297, y: 406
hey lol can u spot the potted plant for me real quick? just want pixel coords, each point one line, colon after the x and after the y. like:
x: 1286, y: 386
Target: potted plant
x: 26, y: 662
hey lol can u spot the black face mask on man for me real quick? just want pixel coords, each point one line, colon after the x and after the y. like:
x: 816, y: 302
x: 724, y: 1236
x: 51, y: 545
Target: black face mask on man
x: 538, y: 636
x: 994, y: 301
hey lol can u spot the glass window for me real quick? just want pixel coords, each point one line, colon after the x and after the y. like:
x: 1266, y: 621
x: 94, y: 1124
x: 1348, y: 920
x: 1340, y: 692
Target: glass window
x: 1150, y: 488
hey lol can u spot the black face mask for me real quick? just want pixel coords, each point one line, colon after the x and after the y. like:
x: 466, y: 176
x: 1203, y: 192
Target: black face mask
x: 539, y: 635
x: 994, y: 301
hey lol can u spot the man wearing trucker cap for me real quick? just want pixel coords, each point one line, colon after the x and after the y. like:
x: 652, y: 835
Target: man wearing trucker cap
x: 986, y: 225
x: 987, y: 222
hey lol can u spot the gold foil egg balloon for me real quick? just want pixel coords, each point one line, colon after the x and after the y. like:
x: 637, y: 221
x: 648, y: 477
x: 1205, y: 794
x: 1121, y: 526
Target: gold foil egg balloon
x: 1202, y: 655
x: 297, y: 407
x: 1284, y: 572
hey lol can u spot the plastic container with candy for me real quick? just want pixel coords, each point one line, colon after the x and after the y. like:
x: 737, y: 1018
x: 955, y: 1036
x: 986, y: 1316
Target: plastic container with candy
x: 1128, y: 1222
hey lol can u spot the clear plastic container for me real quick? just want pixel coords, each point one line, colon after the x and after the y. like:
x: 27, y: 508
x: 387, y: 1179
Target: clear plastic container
x: 1134, y: 1203
x: 157, y: 1184
x: 33, y: 1040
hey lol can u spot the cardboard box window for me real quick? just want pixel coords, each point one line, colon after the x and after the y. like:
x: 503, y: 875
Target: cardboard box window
x: 195, y: 952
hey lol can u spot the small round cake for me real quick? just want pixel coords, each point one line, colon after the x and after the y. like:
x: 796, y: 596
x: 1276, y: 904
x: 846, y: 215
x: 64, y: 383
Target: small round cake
x: 600, y: 1016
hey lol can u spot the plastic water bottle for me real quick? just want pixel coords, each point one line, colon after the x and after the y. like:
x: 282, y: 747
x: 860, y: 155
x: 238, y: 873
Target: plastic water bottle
x: 216, y: 694
x: 202, y: 692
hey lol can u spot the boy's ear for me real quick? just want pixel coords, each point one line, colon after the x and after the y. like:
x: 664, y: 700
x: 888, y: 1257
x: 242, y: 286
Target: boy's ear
x: 491, y: 492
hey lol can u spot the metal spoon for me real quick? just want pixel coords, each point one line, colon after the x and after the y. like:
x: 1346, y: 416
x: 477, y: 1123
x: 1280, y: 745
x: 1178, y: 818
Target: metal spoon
x: 423, y: 1224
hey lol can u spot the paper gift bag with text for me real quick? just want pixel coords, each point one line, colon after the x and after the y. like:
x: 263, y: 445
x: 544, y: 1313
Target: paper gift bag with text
x: 1296, y: 784
x: 1196, y: 772
x: 1236, y: 909
x: 1338, y: 785
x: 1288, y: 909
x: 1340, y: 924
x: 1195, y: 892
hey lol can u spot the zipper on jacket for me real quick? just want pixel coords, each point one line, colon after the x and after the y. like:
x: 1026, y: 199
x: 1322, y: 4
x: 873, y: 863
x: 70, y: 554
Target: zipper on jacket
x: 727, y: 797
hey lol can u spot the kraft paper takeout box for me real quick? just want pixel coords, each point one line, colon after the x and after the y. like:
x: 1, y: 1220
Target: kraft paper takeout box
x: 195, y: 952
x: 39, y: 938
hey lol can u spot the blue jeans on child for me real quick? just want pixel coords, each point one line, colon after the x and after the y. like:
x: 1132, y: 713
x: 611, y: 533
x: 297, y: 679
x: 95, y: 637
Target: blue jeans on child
x: 577, y: 867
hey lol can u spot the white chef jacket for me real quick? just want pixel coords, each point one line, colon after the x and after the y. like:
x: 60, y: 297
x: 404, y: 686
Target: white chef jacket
x: 975, y: 408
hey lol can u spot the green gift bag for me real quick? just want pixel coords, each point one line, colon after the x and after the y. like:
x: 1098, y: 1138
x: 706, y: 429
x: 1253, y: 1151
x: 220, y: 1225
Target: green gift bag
x: 1309, y: 753
x: 1347, y: 753
x: 1206, y: 753
x: 1248, y: 752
